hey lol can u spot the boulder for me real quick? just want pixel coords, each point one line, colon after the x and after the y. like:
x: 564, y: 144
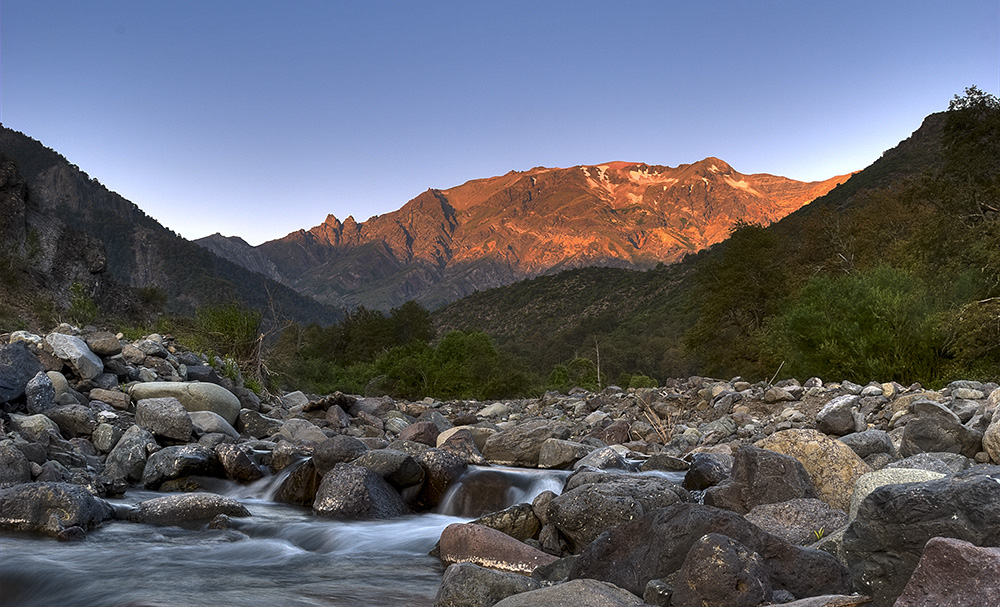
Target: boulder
x: 301, y: 431
x: 172, y: 463
x: 561, y: 454
x: 442, y: 470
x: 832, y: 465
x: 195, y: 396
x: 253, y: 424
x: 886, y: 476
x: 103, y: 343
x: 886, y: 539
x: 398, y: 468
x: 707, y: 470
x: 520, y: 445
x: 991, y: 439
x: 574, y: 593
x: 594, y: 502
x: 471, y: 543
x: 165, y: 417
x: 353, y: 492
x: 461, y: 442
x: 238, y: 463
x: 17, y: 366
x: 953, y: 572
x: 207, y: 422
x: 118, y: 400
x: 185, y: 509
x: 721, y: 572
x: 654, y: 546
x: 127, y: 460
x: 76, y: 354
x: 518, y: 521
x: 605, y: 458
x: 73, y: 420
x: 425, y: 432
x: 40, y: 393
x: 837, y: 416
x: 105, y: 437
x: 338, y: 449
x: 469, y: 585
x: 870, y: 442
x: 51, y: 508
x: 760, y: 477
x: 937, y: 434
x: 14, y: 466
x: 300, y: 486
x: 33, y: 427
x: 800, y: 521
x: 945, y: 463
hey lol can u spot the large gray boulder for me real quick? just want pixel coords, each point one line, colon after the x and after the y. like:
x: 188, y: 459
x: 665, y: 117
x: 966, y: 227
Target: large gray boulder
x: 176, y: 462
x: 442, y: 470
x: 195, y: 396
x: 938, y: 433
x: 396, y: 467
x: 886, y: 539
x: 237, y: 461
x: 354, y: 492
x: 521, y: 445
x: 76, y: 354
x: 51, y: 508
x: 837, y: 416
x: 574, y: 593
x: 714, y: 567
x: 39, y: 393
x: 164, y: 416
x: 760, y: 477
x: 14, y: 466
x: 186, y: 509
x: 338, y: 449
x: 73, y: 420
x: 207, y: 422
x: 887, y: 476
x: 593, y: 502
x: 17, y: 366
x: 469, y: 585
x: 34, y: 427
x: 800, y: 521
x: 654, y: 546
x: 126, y: 462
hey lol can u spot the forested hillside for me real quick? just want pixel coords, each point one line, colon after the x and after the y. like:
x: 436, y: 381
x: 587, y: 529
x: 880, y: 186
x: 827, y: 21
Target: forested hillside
x: 895, y: 274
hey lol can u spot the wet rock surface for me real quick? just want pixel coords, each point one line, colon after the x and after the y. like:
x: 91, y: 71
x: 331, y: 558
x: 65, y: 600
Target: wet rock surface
x: 101, y: 416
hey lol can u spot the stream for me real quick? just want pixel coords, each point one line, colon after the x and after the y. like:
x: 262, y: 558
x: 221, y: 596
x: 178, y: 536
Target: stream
x: 281, y: 555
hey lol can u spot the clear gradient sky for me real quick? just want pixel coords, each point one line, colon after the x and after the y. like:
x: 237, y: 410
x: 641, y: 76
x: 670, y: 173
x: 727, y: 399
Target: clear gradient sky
x: 256, y: 118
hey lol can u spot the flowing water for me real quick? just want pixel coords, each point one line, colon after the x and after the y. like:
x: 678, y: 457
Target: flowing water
x: 281, y: 555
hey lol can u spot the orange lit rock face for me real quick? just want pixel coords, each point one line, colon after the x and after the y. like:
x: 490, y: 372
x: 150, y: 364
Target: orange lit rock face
x: 445, y: 244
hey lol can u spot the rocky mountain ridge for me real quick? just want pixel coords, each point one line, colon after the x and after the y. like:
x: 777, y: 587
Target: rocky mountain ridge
x: 446, y: 244
x: 66, y: 228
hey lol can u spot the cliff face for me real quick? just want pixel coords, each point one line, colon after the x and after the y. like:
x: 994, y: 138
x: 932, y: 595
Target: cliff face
x: 445, y: 244
x: 68, y: 228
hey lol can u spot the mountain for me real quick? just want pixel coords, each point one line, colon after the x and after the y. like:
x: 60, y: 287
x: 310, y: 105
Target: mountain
x: 888, y: 275
x: 55, y: 216
x: 446, y: 244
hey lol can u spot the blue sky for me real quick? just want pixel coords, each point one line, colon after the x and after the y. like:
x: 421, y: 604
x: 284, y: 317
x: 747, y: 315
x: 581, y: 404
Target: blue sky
x: 259, y: 118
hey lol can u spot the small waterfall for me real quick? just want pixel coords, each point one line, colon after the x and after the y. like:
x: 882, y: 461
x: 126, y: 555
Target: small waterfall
x: 482, y: 490
x: 264, y: 489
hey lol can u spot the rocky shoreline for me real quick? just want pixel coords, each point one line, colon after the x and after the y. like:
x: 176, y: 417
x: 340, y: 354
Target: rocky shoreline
x: 699, y: 492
